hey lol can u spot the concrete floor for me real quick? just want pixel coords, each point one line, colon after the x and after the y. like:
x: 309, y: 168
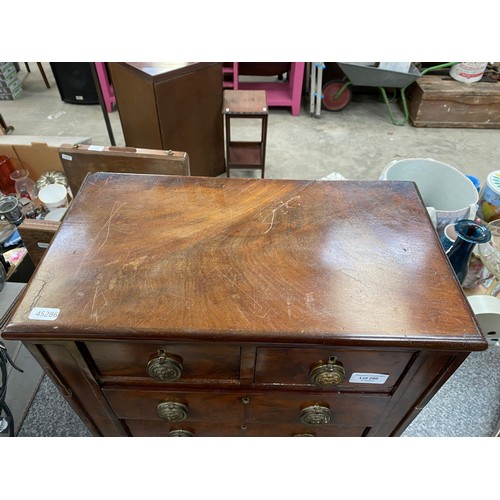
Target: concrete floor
x: 358, y: 143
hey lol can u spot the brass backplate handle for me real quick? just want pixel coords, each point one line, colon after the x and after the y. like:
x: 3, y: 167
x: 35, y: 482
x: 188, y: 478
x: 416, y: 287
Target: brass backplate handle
x: 172, y: 411
x: 181, y: 433
x: 315, y: 415
x: 165, y: 367
x: 327, y: 373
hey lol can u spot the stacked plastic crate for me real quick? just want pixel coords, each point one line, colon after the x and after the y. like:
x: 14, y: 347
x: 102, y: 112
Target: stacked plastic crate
x: 10, y: 85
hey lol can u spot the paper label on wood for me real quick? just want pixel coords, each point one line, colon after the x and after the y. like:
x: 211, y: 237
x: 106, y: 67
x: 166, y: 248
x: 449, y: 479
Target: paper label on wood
x: 67, y: 157
x: 44, y: 313
x: 368, y: 378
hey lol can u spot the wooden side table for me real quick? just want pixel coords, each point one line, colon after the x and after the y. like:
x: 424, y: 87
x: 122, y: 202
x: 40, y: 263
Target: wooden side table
x: 245, y: 104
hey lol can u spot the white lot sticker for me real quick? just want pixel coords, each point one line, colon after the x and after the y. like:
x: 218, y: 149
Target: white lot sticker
x: 67, y: 157
x: 368, y: 378
x: 44, y: 313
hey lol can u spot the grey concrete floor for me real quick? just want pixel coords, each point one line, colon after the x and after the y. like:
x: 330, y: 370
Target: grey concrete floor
x: 357, y: 143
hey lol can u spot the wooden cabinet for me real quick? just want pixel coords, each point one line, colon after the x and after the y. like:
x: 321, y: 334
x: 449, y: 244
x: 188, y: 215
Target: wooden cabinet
x: 173, y: 106
x: 193, y: 306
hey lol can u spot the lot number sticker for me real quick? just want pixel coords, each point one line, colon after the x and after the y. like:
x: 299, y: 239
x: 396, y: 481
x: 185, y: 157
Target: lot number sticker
x: 44, y: 313
x: 368, y: 378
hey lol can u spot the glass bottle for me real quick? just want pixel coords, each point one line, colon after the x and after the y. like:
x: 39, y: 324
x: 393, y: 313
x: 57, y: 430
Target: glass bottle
x: 6, y: 169
x: 25, y: 187
x: 469, y: 234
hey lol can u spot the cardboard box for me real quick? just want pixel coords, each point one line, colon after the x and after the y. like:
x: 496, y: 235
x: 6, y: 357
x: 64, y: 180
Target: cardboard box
x: 14, y: 87
x: 11, y: 95
x: 7, y: 70
x: 10, y: 82
x: 36, y: 154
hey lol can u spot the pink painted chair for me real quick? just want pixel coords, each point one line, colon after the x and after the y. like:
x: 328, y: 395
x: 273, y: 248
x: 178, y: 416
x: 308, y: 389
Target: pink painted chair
x: 288, y: 93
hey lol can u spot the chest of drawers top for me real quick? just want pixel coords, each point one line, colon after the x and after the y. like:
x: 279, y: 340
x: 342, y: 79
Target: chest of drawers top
x: 342, y: 263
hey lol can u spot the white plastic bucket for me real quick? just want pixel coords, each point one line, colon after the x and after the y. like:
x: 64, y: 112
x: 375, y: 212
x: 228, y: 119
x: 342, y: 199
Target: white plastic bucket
x: 468, y: 72
x: 447, y: 193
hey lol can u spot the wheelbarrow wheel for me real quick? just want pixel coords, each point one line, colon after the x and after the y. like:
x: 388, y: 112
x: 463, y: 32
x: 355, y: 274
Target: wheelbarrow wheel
x: 331, y: 101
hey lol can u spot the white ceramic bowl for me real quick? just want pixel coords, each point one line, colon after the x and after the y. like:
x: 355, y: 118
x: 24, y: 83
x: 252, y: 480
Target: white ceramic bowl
x: 487, y: 311
x: 53, y: 196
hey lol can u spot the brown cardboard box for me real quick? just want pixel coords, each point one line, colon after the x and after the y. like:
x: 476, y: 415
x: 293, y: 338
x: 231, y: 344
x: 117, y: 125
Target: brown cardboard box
x: 37, y: 155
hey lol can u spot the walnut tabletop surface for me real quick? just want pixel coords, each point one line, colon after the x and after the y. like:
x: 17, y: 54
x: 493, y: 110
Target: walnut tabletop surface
x: 249, y: 260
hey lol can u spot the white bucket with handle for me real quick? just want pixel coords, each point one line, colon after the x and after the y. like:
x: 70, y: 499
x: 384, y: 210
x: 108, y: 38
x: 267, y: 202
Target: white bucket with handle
x: 447, y: 193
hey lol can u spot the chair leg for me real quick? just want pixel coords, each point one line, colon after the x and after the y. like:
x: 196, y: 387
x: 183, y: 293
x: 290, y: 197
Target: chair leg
x: 42, y: 72
x: 4, y: 128
x: 27, y: 67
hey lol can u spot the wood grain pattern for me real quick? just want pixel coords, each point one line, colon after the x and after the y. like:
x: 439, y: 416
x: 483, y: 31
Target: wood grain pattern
x: 36, y: 236
x: 434, y: 101
x: 249, y: 282
x: 292, y: 261
x: 78, y: 161
x: 244, y: 101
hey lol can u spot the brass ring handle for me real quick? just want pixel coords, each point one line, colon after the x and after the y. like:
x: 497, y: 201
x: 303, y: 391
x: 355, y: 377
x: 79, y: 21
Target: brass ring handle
x: 180, y: 433
x: 327, y: 374
x: 172, y: 411
x: 315, y: 415
x: 165, y: 367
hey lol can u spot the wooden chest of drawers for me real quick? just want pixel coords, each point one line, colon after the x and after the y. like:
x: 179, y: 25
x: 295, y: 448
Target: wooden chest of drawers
x: 245, y: 307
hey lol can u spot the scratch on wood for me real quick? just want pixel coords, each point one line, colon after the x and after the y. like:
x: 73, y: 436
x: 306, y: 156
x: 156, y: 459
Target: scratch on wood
x: 343, y: 271
x: 39, y: 292
x: 106, y: 226
x: 97, y: 305
x: 256, y: 303
x: 243, y: 315
x: 274, y: 210
x: 267, y: 312
x: 310, y: 301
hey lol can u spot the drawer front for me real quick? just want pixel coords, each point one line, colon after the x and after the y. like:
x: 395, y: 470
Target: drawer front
x: 292, y: 367
x: 198, y: 407
x: 199, y: 362
x: 153, y: 428
x: 300, y: 408
x: 298, y: 430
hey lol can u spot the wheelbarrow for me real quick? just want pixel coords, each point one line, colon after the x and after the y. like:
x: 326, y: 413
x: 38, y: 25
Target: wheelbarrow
x: 337, y: 94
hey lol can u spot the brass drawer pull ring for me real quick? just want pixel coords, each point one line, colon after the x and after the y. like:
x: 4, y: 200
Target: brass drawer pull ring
x: 172, y: 411
x: 327, y: 374
x: 165, y: 367
x: 315, y: 415
x: 180, y: 433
